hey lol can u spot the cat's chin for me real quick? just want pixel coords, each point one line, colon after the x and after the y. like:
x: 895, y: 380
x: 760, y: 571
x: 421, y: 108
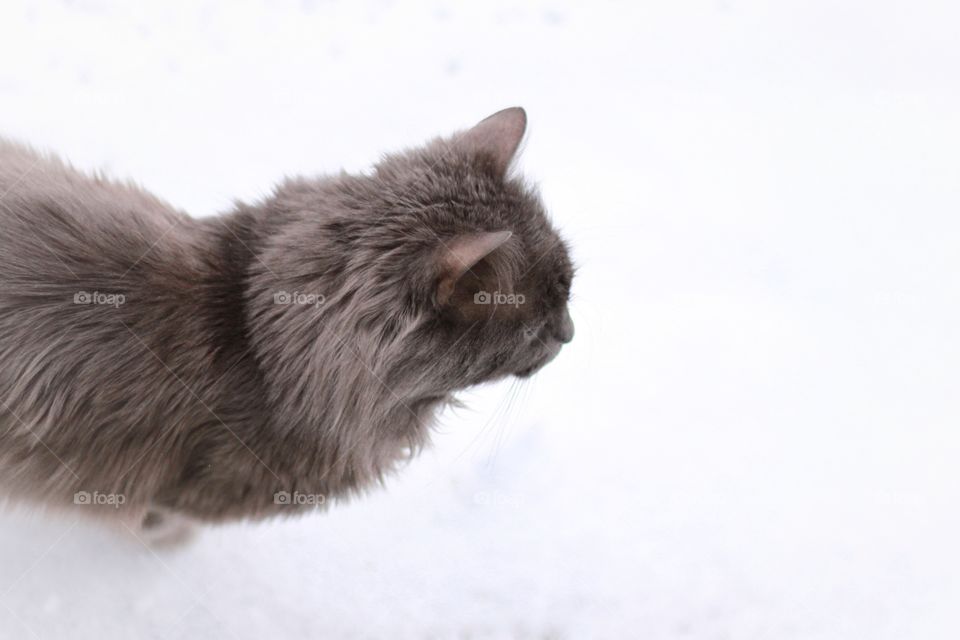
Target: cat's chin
x: 540, y: 363
x: 526, y: 373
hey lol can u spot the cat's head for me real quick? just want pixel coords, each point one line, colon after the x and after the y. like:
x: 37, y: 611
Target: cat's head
x: 493, y: 277
x: 438, y: 267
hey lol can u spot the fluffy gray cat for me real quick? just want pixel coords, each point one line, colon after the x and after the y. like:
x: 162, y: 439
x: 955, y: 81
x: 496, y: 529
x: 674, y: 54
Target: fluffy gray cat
x: 161, y: 369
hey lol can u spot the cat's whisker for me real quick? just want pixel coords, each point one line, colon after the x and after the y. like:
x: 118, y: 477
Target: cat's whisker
x: 493, y: 416
x: 502, y: 408
x: 523, y: 397
x: 515, y: 391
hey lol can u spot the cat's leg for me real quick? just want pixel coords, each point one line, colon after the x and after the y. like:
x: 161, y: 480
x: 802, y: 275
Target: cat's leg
x: 161, y: 527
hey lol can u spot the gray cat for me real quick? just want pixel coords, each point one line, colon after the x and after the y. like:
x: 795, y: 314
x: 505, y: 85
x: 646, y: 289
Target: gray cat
x: 161, y: 369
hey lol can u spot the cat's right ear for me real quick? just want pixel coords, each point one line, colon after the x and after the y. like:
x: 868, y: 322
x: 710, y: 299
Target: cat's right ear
x: 497, y: 137
x: 461, y: 258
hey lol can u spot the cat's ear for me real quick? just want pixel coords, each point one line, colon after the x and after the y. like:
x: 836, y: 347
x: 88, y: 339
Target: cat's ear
x: 461, y: 255
x: 497, y: 137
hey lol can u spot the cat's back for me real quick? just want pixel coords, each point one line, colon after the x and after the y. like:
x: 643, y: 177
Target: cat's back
x: 57, y: 221
x: 32, y: 182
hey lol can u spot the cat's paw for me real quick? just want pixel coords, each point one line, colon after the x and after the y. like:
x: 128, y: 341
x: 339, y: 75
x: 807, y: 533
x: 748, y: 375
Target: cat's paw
x: 163, y: 528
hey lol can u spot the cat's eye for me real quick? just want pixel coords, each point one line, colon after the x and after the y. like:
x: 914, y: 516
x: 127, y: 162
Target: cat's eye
x: 564, y: 281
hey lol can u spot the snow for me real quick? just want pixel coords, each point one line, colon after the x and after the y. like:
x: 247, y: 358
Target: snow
x: 752, y: 436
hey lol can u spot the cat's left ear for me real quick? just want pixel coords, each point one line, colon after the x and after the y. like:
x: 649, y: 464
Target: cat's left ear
x: 462, y: 255
x: 497, y: 137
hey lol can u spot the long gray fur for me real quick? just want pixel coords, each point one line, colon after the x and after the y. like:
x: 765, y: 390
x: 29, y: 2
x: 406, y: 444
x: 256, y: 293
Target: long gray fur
x: 297, y: 346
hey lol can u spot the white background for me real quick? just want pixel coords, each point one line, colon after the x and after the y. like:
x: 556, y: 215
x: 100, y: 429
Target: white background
x: 754, y: 434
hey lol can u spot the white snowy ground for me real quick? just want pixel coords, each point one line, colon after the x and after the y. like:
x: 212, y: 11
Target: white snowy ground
x: 754, y: 434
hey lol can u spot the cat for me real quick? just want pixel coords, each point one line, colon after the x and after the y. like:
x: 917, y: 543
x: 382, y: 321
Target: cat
x: 160, y: 370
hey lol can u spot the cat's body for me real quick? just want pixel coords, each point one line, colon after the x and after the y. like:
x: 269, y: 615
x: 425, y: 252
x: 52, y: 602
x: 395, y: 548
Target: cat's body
x: 268, y: 360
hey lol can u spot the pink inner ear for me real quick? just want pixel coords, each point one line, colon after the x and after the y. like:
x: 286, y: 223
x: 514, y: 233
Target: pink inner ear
x: 462, y: 253
x: 498, y: 136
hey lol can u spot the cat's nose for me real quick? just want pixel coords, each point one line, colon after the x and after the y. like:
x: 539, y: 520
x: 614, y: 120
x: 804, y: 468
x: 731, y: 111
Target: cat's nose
x: 563, y: 328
